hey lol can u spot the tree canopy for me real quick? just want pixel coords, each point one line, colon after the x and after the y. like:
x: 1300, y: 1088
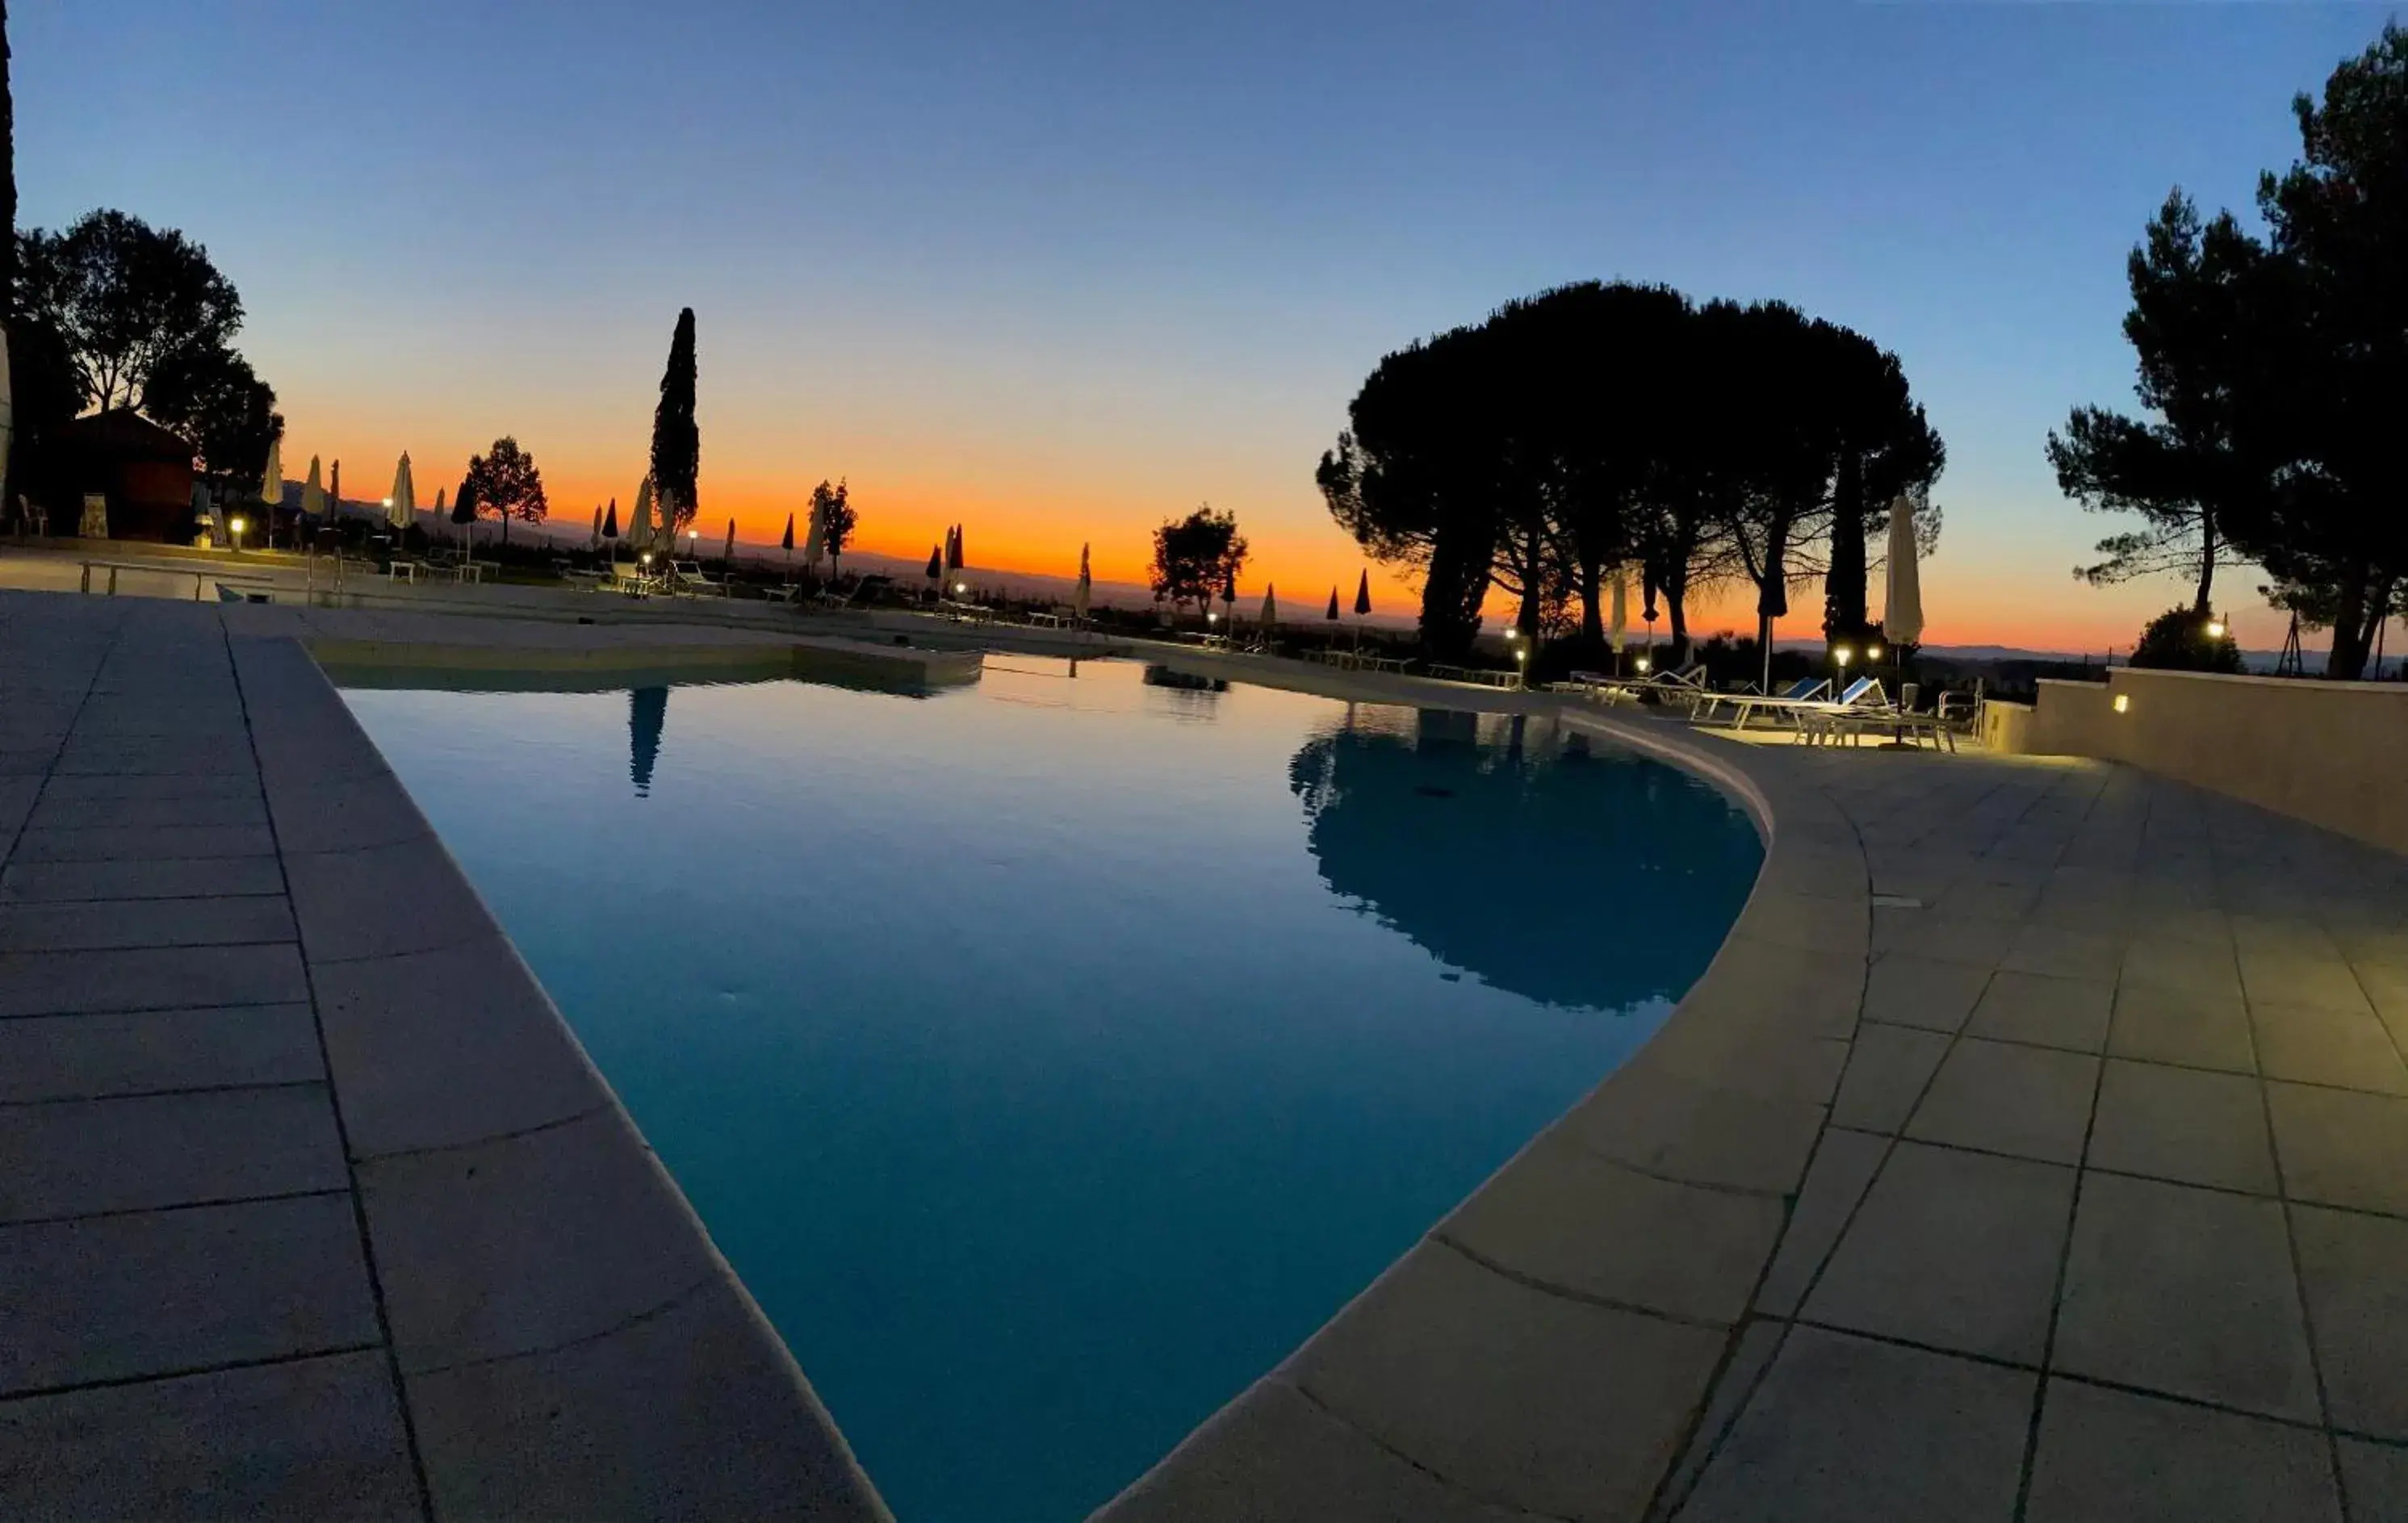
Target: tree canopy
x: 2273, y: 371
x: 832, y: 509
x: 1602, y: 427
x: 1195, y: 556
x: 127, y: 298
x: 504, y: 483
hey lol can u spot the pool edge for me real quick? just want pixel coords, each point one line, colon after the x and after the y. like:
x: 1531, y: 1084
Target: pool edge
x: 1555, y: 1343
x: 569, y: 1339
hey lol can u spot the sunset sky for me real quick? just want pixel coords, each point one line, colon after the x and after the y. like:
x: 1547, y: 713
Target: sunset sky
x: 1058, y: 271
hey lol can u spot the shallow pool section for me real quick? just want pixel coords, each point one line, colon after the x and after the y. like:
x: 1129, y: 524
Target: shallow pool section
x: 1051, y: 1055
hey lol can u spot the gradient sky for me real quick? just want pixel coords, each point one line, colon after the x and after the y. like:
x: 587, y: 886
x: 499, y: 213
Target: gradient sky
x: 1062, y: 270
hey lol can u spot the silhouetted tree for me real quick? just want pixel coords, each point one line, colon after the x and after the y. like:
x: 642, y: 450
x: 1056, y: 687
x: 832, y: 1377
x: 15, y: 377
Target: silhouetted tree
x: 504, y: 483
x: 211, y: 397
x: 833, y: 507
x: 2335, y: 533
x: 2181, y: 470
x: 677, y: 439
x: 2178, y: 640
x: 127, y: 298
x: 1195, y: 557
x: 1409, y: 480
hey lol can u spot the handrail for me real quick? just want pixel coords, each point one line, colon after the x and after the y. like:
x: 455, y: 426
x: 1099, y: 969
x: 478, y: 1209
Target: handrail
x: 199, y: 574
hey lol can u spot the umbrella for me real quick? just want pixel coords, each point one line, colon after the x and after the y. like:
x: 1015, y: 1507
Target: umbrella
x: 961, y: 557
x: 595, y: 542
x: 1363, y: 595
x: 728, y: 555
x: 1902, y: 610
x: 787, y: 544
x: 1080, y: 594
x: 1621, y: 609
x: 438, y: 502
x: 334, y: 489
x: 639, y: 534
x: 1332, y: 614
x: 403, y: 512
x: 1270, y: 606
x: 935, y: 562
x: 314, y: 491
x: 610, y: 528
x: 271, y: 481
x: 811, y: 539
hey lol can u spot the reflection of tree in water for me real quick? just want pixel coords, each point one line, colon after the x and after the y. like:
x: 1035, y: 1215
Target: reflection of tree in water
x: 648, y: 711
x: 1506, y: 848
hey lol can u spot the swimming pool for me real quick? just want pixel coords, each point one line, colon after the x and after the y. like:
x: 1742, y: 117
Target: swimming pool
x: 1051, y: 1055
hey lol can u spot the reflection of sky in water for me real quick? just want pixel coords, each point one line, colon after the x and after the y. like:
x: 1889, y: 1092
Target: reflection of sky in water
x: 1047, y: 1070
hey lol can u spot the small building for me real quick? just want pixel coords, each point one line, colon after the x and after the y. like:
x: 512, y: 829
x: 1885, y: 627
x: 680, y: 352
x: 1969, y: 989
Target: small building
x: 139, y: 473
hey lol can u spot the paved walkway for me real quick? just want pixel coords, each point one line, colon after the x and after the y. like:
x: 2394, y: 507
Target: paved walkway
x: 310, y: 1206
x: 2037, y: 1149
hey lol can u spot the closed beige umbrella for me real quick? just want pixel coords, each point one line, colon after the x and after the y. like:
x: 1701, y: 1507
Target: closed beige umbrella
x: 401, y: 509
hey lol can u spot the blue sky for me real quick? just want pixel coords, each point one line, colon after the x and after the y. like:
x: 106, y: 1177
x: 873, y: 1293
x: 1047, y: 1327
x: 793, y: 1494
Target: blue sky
x: 1061, y: 270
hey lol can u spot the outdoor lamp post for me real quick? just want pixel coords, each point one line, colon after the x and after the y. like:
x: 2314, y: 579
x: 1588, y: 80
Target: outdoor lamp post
x: 2216, y: 626
x: 1522, y: 665
x: 1644, y: 663
x: 236, y: 525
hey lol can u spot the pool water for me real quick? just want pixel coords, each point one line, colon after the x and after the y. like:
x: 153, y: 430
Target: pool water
x: 1051, y: 1055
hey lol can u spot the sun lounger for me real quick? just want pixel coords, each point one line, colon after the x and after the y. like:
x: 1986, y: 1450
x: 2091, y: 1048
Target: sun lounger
x: 1744, y: 706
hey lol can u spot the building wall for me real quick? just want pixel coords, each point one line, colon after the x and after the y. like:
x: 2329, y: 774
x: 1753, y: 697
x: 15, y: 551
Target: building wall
x: 2333, y: 754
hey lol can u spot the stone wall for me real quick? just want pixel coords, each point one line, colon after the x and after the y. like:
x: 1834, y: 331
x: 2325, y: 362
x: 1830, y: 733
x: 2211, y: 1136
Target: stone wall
x: 2333, y: 754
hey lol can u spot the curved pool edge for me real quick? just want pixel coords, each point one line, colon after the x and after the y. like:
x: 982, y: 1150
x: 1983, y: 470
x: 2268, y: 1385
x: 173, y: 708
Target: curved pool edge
x: 568, y: 1340
x: 1557, y: 1344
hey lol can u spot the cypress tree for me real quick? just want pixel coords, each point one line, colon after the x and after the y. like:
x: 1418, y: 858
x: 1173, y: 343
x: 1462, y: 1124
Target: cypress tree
x: 676, y: 443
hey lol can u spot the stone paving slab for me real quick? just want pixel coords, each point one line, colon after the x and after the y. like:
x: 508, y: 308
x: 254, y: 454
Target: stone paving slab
x: 217, y: 1250
x: 301, y: 1439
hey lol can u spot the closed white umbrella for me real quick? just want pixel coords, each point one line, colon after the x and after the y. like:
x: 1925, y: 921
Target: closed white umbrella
x: 402, y: 511
x: 595, y: 542
x: 314, y: 491
x: 1086, y: 590
x: 1270, y: 606
x: 271, y: 481
x: 639, y: 534
x: 1620, y: 610
x: 1902, y: 609
x: 728, y: 555
x: 812, y: 541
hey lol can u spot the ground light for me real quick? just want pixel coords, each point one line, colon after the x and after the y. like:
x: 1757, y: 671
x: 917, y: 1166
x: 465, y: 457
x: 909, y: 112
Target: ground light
x: 237, y: 524
x: 2215, y: 627
x: 2123, y: 703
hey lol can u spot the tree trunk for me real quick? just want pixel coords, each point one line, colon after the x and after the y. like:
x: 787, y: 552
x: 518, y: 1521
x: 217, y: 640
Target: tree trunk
x: 2203, y: 604
x: 1592, y: 624
x: 1843, y: 584
x: 2347, y: 662
x: 1674, y: 586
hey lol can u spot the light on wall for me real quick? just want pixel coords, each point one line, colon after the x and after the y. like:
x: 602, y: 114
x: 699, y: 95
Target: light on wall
x: 2123, y: 703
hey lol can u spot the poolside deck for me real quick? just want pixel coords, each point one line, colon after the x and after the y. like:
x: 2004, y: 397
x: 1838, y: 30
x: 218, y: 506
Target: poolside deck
x: 309, y: 1204
x: 2036, y: 1148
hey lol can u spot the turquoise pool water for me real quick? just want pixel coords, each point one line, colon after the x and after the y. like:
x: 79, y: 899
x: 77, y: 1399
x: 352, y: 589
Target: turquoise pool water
x: 1051, y: 1055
